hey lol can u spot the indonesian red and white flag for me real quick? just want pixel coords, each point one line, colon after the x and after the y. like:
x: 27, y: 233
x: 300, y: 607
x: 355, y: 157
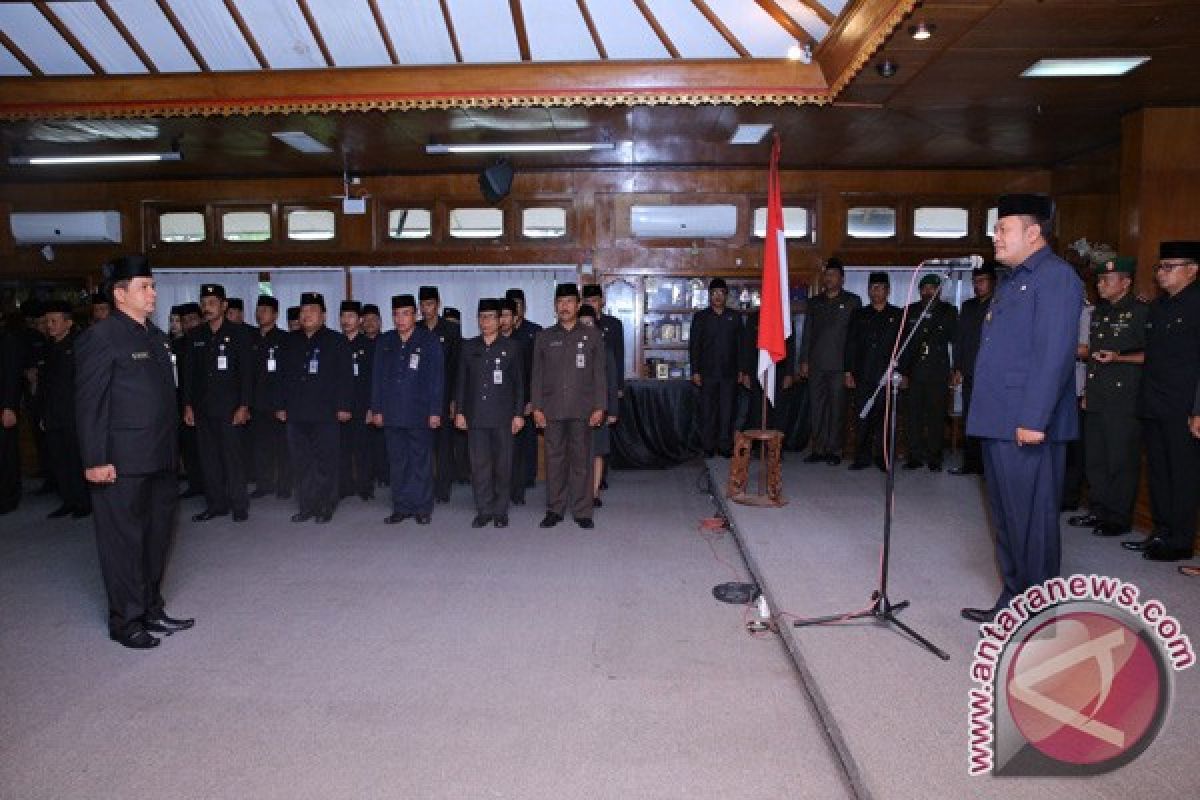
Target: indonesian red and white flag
x: 775, y: 314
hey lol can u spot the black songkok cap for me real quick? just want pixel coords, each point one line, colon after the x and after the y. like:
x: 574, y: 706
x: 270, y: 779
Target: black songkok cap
x: 176, y: 311
x: 212, y: 290
x: 126, y: 268
x: 566, y: 290
x: 488, y: 304
x: 592, y: 290
x: 189, y: 308
x: 57, y: 307
x: 452, y: 314
x: 100, y: 298
x: 1184, y: 250
x: 835, y: 263
x: 988, y: 269
x: 515, y: 294
x: 1038, y: 206
x: 351, y: 305
x: 718, y: 283
x: 293, y: 313
x: 32, y: 309
x: 403, y: 301
x: 267, y: 300
x: 587, y: 311
x: 313, y: 299
x: 879, y: 277
x: 236, y: 304
x: 427, y: 293
x: 370, y: 308
x: 508, y: 304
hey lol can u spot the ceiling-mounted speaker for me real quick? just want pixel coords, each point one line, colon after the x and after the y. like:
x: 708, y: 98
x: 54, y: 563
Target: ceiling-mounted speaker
x: 496, y: 181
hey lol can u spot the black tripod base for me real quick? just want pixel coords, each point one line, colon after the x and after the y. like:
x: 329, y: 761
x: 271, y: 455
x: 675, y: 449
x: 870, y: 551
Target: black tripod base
x: 884, y: 611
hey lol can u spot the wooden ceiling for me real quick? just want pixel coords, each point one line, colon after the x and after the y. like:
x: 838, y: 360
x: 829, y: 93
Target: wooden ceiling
x: 956, y: 100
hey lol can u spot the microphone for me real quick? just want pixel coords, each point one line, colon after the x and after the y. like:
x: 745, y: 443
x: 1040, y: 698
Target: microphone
x: 965, y: 262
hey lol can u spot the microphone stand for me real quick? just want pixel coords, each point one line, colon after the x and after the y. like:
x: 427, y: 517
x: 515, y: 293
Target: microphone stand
x: 882, y: 608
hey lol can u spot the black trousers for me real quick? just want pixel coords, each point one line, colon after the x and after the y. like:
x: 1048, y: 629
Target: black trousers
x: 926, y: 409
x: 972, y: 446
x: 777, y: 414
x: 135, y: 520
x: 827, y: 405
x: 222, y: 454
x: 314, y: 448
x: 355, y: 470
x: 68, y: 468
x: 524, y: 468
x: 717, y: 406
x: 443, y: 458
x: 10, y: 468
x: 1173, y: 462
x: 377, y: 444
x: 189, y: 452
x: 569, y: 467
x: 869, y: 433
x: 1075, y: 472
x: 491, y: 452
x: 1113, y: 460
x: 272, y: 467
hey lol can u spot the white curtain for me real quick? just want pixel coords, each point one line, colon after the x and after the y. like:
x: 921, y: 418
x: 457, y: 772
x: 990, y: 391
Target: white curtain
x: 955, y: 289
x: 461, y: 287
x: 178, y: 286
x: 288, y: 283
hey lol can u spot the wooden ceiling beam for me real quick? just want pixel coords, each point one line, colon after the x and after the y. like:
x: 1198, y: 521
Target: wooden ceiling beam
x: 316, y: 32
x: 133, y: 43
x: 19, y: 55
x: 722, y: 29
x: 518, y: 18
x: 783, y: 20
x: 855, y: 36
x: 383, y: 31
x: 450, y: 30
x: 69, y: 36
x: 657, y: 27
x: 591, y: 26
x: 827, y: 16
x: 182, y: 33
x: 251, y: 42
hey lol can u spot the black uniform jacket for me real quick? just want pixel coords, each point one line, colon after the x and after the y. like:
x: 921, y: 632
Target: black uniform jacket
x: 928, y: 354
x: 218, y: 376
x: 316, y: 380
x: 968, y: 333
x: 57, y: 378
x: 491, y: 382
x: 713, y: 342
x: 267, y: 351
x: 1172, y: 366
x: 870, y: 341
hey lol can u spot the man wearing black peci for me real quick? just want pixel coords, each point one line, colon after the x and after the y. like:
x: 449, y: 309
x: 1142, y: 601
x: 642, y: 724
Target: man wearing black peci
x: 869, y: 344
x: 272, y: 465
x: 62, y: 439
x: 355, y: 473
x: 525, y: 448
x: 128, y: 439
x: 713, y: 341
x: 966, y: 348
x: 450, y: 338
x: 926, y: 369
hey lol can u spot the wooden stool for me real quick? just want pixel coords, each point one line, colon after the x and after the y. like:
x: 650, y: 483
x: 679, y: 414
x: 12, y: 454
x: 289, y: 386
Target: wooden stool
x: 770, y: 474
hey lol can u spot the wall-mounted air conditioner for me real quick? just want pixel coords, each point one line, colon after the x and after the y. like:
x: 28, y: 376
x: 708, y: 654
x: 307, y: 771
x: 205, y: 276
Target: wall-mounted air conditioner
x: 683, y: 221
x: 66, y: 227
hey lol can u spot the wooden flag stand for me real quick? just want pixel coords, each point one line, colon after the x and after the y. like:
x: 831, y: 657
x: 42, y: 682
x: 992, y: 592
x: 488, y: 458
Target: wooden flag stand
x: 770, y: 472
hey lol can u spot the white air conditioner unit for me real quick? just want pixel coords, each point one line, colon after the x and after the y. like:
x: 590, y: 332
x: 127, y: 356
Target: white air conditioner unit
x: 66, y: 227
x: 683, y: 221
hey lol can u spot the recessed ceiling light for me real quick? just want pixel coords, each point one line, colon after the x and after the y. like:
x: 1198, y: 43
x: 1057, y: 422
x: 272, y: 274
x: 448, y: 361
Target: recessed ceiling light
x: 1083, y: 67
x: 922, y: 31
x: 517, y: 147
x: 802, y: 53
x: 887, y: 68
x: 299, y: 140
x: 749, y: 134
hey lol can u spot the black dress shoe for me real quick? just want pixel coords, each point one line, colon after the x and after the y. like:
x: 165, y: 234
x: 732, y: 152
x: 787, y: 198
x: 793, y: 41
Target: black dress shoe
x: 585, y: 522
x: 913, y: 464
x: 260, y: 493
x: 424, y: 519
x: 302, y: 516
x: 80, y: 513
x: 517, y: 500
x: 979, y: 615
x: 393, y: 519
x: 813, y: 458
x: 935, y: 466
x: 480, y: 520
x: 1108, y: 529
x: 1140, y: 545
x: 1159, y: 550
x: 550, y: 520
x: 323, y: 517
x: 857, y: 465
x: 241, y: 516
x: 207, y: 514
x: 962, y: 471
x: 597, y: 502
x: 174, y: 624
x: 603, y: 483
x: 59, y: 512
x: 190, y: 493
x: 442, y: 498
x: 365, y: 496
x: 833, y: 460
x: 1083, y: 521
x: 500, y: 521
x: 136, y: 640
x: 286, y: 494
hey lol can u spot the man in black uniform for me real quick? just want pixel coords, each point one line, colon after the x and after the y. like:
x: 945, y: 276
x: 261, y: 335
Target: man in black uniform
x: 355, y: 473
x: 11, y: 380
x: 101, y: 307
x: 62, y: 440
x: 966, y: 348
x: 490, y: 403
x: 823, y: 362
x: 569, y: 395
x: 785, y: 375
x: 926, y: 369
x: 614, y: 341
x: 217, y: 388
x: 713, y: 342
x: 190, y: 318
x: 1116, y: 348
x: 34, y: 344
x: 1168, y: 399
x: 372, y: 327
x: 525, y: 448
x: 869, y: 344
x: 293, y: 319
x: 315, y: 396
x: 128, y: 439
x: 462, y: 461
x: 273, y: 472
x: 450, y: 337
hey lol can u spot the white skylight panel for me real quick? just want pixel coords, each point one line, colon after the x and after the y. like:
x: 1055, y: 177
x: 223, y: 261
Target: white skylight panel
x: 624, y: 30
x: 215, y: 34
x: 691, y: 33
x: 36, y: 37
x: 806, y: 18
x: 146, y: 21
x: 98, y: 36
x: 753, y: 27
x: 418, y: 31
x: 9, y: 65
x: 485, y: 31
x: 833, y: 6
x: 282, y: 33
x: 349, y: 30
x: 557, y: 31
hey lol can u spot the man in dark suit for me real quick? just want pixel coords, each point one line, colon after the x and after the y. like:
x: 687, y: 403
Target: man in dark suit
x: 525, y: 448
x: 217, y: 389
x: 128, y: 440
x: 355, y: 472
x: 925, y: 366
x: 57, y: 378
x: 315, y: 397
x: 870, y: 341
x: 272, y: 464
x: 823, y: 362
x: 714, y: 339
x: 190, y: 318
x: 490, y: 402
x: 1023, y: 406
x: 966, y: 349
x: 785, y: 376
x: 450, y: 338
x: 406, y: 401
x: 372, y: 327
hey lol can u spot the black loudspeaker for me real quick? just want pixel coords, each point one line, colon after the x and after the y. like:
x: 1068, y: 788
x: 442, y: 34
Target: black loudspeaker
x: 496, y: 181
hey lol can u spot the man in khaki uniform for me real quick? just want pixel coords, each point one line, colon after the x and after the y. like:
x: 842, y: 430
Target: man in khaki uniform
x: 568, y: 394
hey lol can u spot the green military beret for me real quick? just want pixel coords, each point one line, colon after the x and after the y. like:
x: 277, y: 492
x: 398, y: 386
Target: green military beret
x: 1123, y: 264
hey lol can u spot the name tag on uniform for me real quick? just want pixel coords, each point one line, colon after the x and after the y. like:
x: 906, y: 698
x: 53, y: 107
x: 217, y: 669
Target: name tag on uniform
x: 498, y: 377
x: 580, y: 360
x: 270, y: 365
x: 139, y: 356
x: 313, y: 366
x: 414, y: 361
x: 356, y: 369
x: 222, y: 362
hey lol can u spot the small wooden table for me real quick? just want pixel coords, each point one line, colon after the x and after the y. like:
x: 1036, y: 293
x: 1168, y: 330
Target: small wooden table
x: 770, y: 474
